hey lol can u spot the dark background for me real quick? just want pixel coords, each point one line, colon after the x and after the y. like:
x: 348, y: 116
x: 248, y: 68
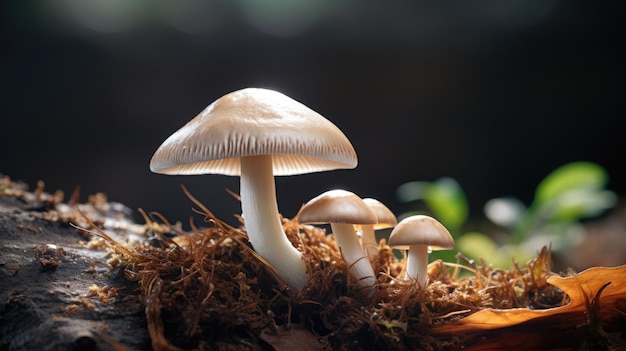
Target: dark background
x: 495, y: 94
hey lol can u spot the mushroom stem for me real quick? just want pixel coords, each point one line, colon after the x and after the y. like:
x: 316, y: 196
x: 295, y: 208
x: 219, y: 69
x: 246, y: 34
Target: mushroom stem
x: 262, y: 220
x: 355, y: 258
x: 368, y: 237
x: 417, y: 264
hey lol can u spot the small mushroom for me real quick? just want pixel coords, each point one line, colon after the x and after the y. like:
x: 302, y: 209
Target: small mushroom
x: 343, y: 209
x: 417, y: 234
x: 258, y: 134
x: 386, y: 219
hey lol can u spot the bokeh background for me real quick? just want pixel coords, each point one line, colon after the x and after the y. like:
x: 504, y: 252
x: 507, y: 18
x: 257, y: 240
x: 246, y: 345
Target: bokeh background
x: 495, y: 94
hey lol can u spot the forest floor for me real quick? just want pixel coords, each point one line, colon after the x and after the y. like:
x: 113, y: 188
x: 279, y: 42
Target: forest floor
x: 85, y: 276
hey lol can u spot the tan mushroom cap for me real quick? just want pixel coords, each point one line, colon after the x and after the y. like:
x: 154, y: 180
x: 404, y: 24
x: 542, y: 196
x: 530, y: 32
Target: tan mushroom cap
x: 386, y: 218
x: 251, y: 122
x: 421, y: 230
x: 337, y: 206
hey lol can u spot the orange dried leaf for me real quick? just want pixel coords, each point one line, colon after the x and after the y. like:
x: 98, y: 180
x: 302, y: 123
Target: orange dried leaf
x: 597, y: 305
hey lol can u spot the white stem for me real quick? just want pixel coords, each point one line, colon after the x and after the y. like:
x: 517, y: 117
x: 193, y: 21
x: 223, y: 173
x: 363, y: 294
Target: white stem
x: 368, y: 237
x: 262, y: 221
x: 355, y: 257
x: 417, y: 264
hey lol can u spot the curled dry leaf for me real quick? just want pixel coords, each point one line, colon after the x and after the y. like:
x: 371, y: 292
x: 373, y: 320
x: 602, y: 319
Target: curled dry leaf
x: 597, y: 298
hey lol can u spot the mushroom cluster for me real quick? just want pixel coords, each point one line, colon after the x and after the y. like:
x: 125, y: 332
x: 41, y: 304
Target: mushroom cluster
x: 343, y: 210
x: 258, y: 134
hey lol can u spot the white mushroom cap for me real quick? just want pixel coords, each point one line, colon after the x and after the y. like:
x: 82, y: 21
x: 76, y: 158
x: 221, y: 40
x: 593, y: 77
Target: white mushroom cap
x: 337, y: 206
x: 421, y: 230
x: 251, y: 122
x: 342, y: 209
x: 386, y: 218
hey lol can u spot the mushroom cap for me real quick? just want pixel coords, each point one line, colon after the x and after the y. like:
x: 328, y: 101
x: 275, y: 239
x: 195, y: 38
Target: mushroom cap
x: 421, y: 230
x: 252, y: 122
x: 386, y: 218
x: 337, y: 206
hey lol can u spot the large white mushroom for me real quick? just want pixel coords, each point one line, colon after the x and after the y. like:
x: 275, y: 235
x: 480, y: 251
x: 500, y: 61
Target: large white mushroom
x: 418, y: 234
x: 343, y: 209
x: 258, y: 134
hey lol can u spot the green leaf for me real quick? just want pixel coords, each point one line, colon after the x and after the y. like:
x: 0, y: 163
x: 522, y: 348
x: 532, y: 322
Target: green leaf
x: 448, y: 202
x: 568, y: 194
x: 478, y: 245
x: 575, y: 175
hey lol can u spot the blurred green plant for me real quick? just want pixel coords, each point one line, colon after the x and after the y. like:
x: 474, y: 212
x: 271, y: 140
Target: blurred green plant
x: 446, y: 200
x: 566, y: 196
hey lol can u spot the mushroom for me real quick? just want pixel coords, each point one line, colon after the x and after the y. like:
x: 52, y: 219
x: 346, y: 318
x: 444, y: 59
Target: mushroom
x: 343, y: 209
x: 258, y: 134
x: 386, y: 219
x: 418, y: 234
